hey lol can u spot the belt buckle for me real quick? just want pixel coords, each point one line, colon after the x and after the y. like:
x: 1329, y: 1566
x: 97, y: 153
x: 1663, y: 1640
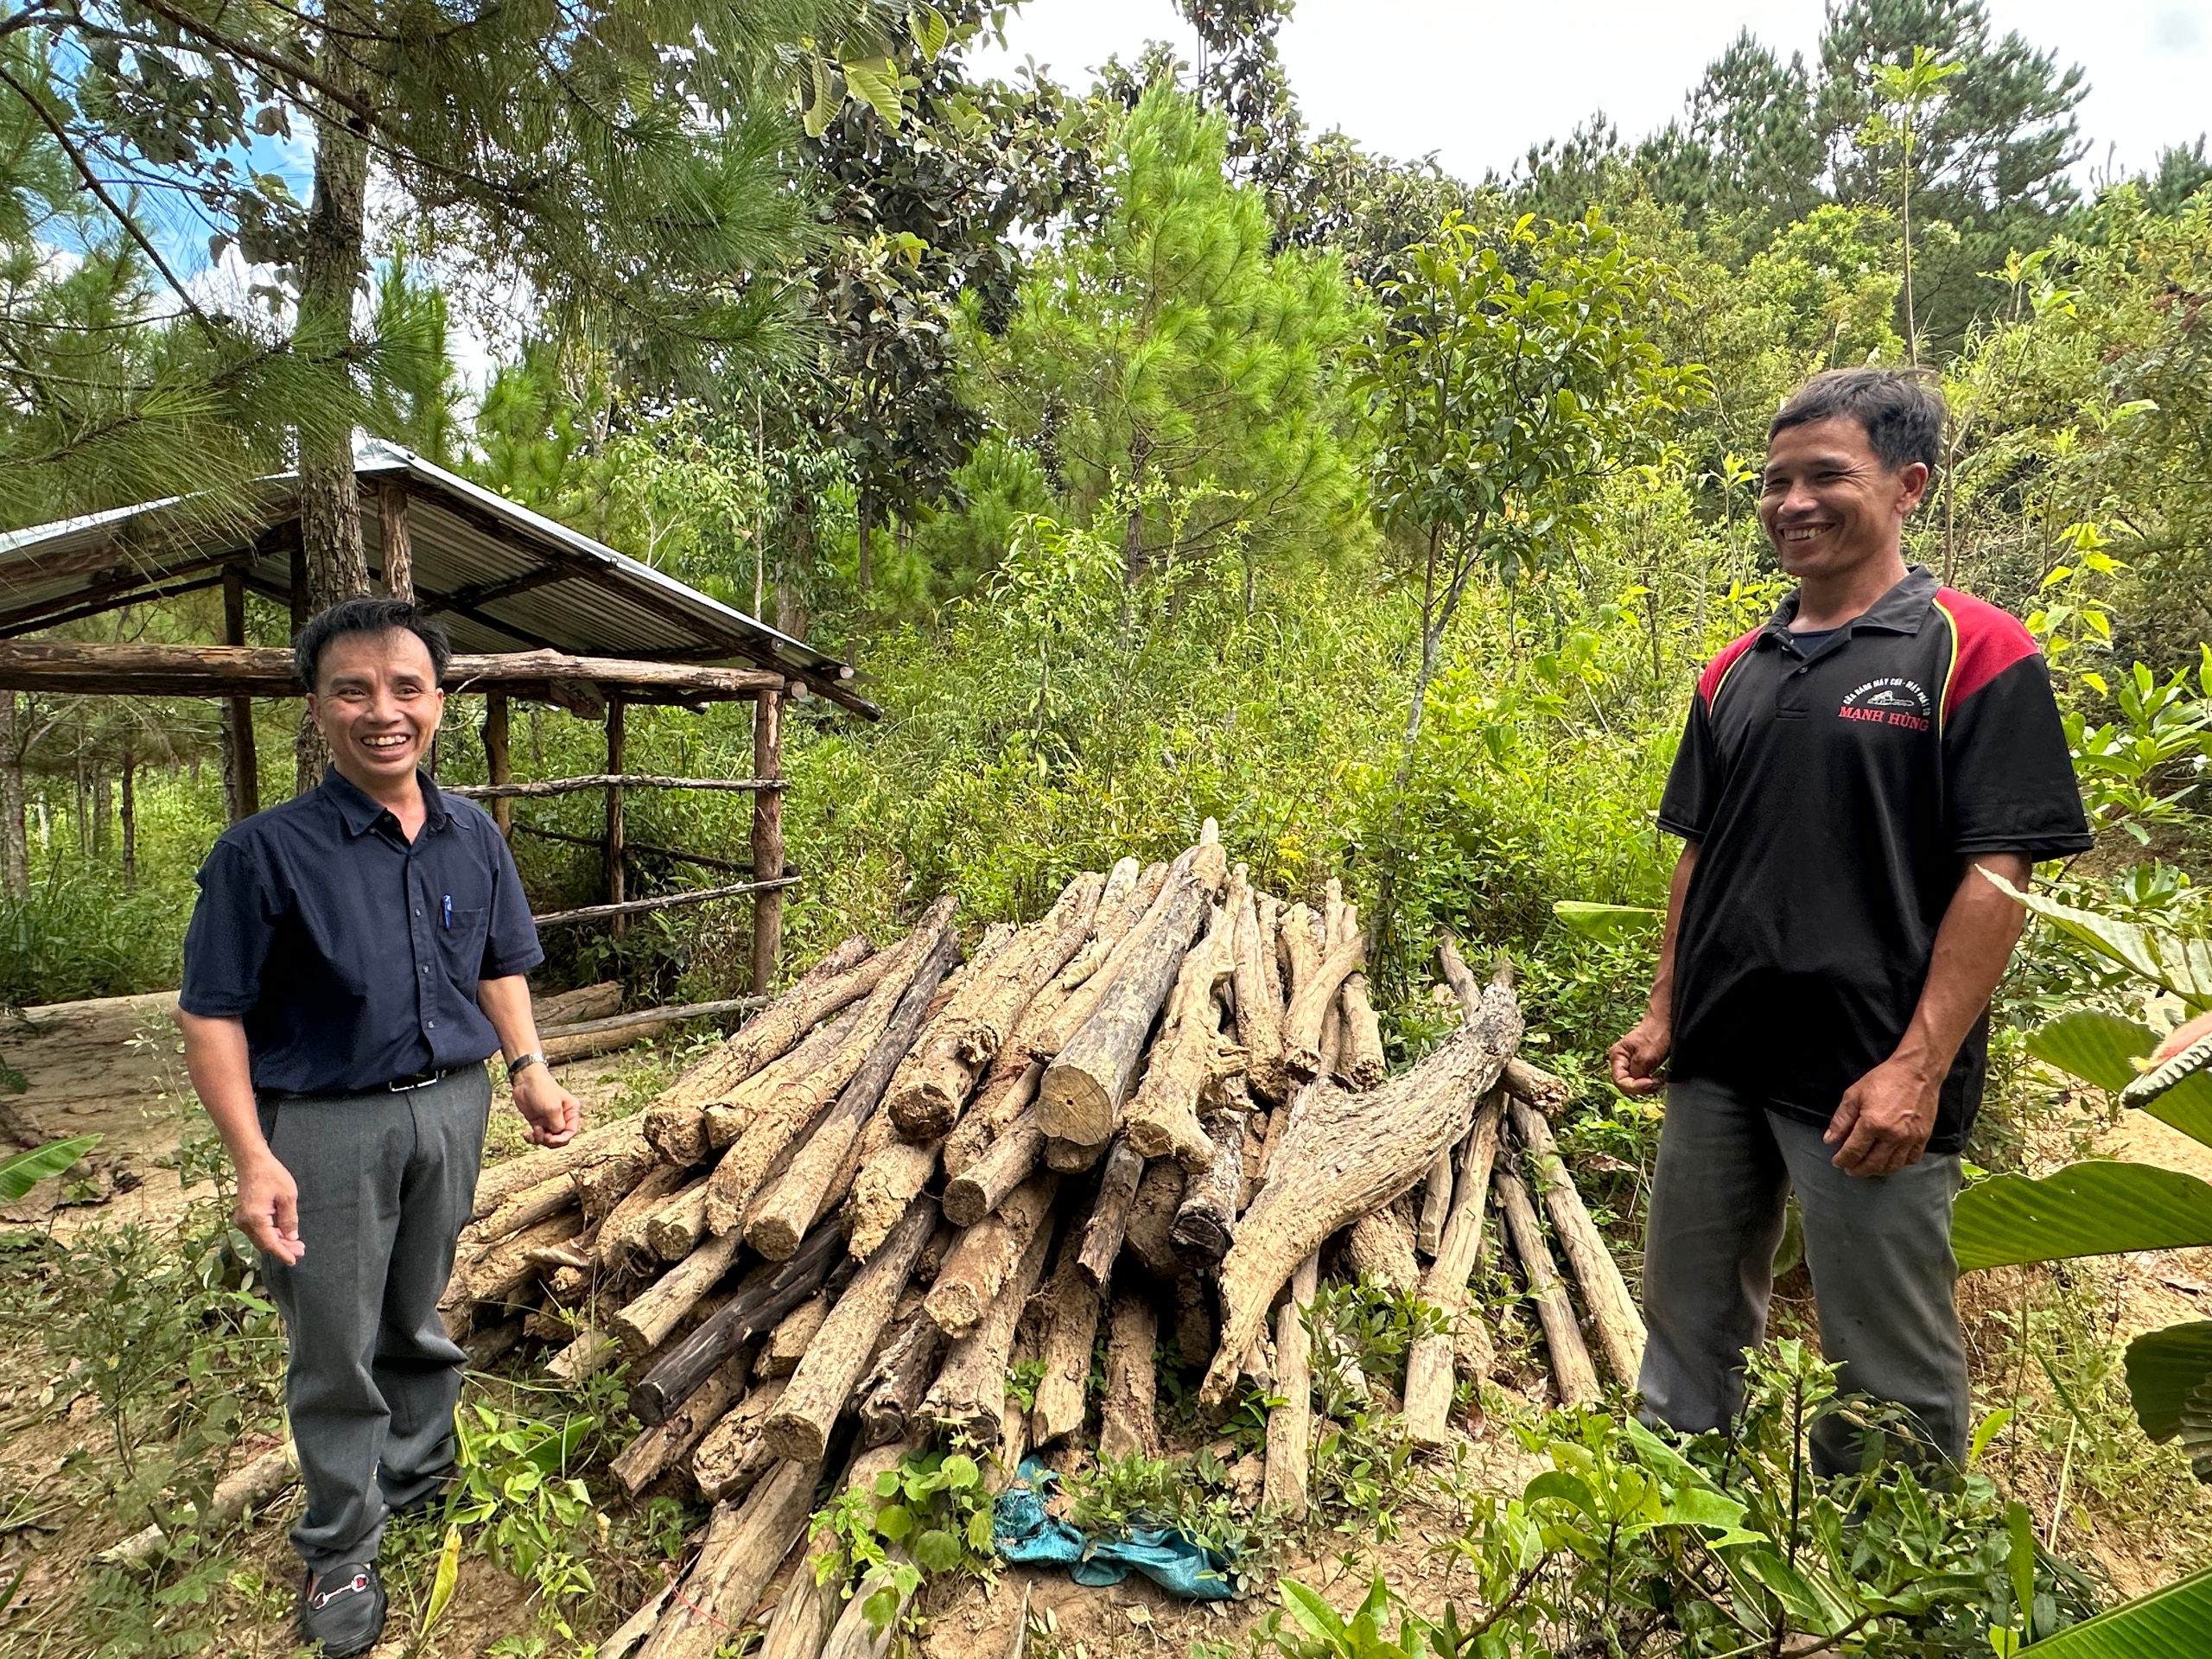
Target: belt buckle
x: 423, y: 1080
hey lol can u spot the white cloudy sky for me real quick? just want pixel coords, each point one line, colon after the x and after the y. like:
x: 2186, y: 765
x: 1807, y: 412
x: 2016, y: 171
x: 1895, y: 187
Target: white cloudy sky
x: 1478, y: 84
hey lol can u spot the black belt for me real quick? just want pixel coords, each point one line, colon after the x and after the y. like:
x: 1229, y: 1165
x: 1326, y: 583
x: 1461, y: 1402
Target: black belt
x: 417, y: 1080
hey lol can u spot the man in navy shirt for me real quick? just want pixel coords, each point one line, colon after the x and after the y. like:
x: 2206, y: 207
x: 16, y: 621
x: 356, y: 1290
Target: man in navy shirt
x: 1822, y: 997
x: 355, y: 956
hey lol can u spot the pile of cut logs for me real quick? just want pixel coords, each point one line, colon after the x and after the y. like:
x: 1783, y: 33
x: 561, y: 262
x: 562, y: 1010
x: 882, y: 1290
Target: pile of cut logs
x: 1147, y: 1113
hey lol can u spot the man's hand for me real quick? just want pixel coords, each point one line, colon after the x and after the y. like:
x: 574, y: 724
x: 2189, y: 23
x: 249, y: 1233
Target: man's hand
x: 2181, y: 1038
x: 550, y: 1110
x: 1884, y: 1121
x: 268, y: 1210
x: 1639, y: 1058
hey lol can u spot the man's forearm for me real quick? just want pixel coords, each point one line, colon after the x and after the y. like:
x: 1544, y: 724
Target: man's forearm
x: 505, y: 1003
x: 216, y: 1056
x: 1979, y: 928
x: 1663, y: 982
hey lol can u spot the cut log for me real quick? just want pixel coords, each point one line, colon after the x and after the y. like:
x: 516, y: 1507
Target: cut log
x: 1380, y: 1247
x: 1007, y: 1094
x: 747, y: 1317
x: 985, y: 1184
x: 1546, y: 1093
x: 1613, y: 1312
x: 1162, y: 1118
x: 731, y: 1458
x: 781, y: 1214
x: 1271, y: 969
x: 1206, y: 1222
x: 601, y: 1187
x: 788, y: 1343
x: 737, y: 1559
x: 573, y: 1007
x: 833, y: 1362
x: 891, y: 1176
x: 1259, y: 1000
x: 933, y: 1083
x: 803, y: 1081
x: 592, y: 1038
x: 1430, y: 1361
x: 257, y: 1483
x: 1290, y: 1425
x: 498, y: 1271
x: 987, y: 1256
x: 803, y: 1616
x: 1359, y: 1063
x: 1345, y: 1155
x: 675, y: 1228
x: 1070, y: 1157
x: 1013, y: 1441
x: 1149, y: 1236
x: 622, y: 1246
x: 1436, y: 1206
x: 641, y: 1325
x: 1070, y: 1332
x: 891, y: 1394
x: 1300, y: 945
x: 968, y: 1399
x: 1195, y: 1329
x: 1576, y: 1379
x: 1301, y: 1037
x: 591, y: 1352
x: 1081, y: 1097
x: 1127, y: 1422
x: 529, y: 1207
x: 1120, y: 910
x: 1109, y: 1214
x: 661, y: 1448
x: 503, y: 1180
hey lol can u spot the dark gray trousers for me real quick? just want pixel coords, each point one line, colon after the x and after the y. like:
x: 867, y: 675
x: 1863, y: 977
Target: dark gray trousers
x: 1879, y: 1251
x: 386, y: 1181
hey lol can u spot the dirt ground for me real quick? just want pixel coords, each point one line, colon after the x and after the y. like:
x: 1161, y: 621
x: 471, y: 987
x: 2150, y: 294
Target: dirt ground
x: 115, y: 1068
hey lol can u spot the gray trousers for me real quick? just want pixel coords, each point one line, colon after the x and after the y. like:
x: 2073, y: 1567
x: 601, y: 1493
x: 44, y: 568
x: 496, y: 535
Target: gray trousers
x: 1879, y: 1251
x: 386, y: 1181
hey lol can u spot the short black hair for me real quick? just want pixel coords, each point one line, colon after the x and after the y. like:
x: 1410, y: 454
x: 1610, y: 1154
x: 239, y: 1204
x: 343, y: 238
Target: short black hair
x: 1901, y: 411
x: 368, y: 615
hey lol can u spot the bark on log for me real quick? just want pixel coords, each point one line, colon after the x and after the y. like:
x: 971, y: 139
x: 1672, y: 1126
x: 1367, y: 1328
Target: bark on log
x: 622, y: 1246
x: 988, y: 1255
x: 1046, y: 1038
x: 529, y: 1207
x: 1259, y: 1004
x: 781, y: 1215
x: 933, y: 1083
x: 1081, y: 1097
x: 891, y: 1394
x: 1535, y: 1086
x: 1120, y: 907
x: 1128, y: 1418
x: 1071, y: 1330
x: 1070, y: 1157
x: 1346, y: 1154
x: 1432, y: 1360
x: 1299, y: 939
x: 1195, y: 1329
x: 503, y: 1180
x: 498, y: 1271
x: 1109, y: 1214
x: 890, y: 1178
x: 641, y: 1325
x: 968, y: 1399
x: 803, y: 1081
x: 661, y: 1448
x: 675, y: 1228
x: 1310, y: 1002
x: 985, y: 1184
x: 591, y: 1038
x: 254, y: 1484
x: 1206, y: 1222
x: 738, y: 1557
x: 601, y: 1186
x: 1359, y: 1062
x: 591, y: 1352
x: 1007, y: 1094
x: 1613, y: 1312
x: 1436, y: 1206
x: 799, y: 1427
x: 1149, y: 1236
x: 1162, y: 1118
x: 763, y: 1300
x: 1572, y: 1372
x: 1270, y: 913
x: 803, y: 1616
x: 1290, y: 1425
x: 731, y: 1458
x: 1380, y: 1246
x: 787, y: 1343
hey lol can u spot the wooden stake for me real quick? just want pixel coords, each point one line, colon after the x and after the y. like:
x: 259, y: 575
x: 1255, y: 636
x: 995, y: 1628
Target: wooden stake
x: 1290, y: 1425
x: 767, y: 837
x: 1570, y: 1368
x: 1614, y: 1313
x: 641, y: 1325
x: 1429, y: 1363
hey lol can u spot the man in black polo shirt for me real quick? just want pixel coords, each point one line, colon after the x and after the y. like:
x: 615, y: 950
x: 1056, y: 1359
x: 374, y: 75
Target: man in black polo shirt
x: 1821, y: 1008
x: 356, y: 955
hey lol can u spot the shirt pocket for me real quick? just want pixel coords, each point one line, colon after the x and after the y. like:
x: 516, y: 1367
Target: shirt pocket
x: 461, y: 934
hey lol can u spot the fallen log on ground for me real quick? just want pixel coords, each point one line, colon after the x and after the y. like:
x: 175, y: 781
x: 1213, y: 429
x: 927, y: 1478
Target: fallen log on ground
x: 1429, y: 1362
x: 1290, y: 1426
x: 1127, y: 1422
x: 1614, y: 1313
x: 1071, y: 1308
x: 1572, y: 1372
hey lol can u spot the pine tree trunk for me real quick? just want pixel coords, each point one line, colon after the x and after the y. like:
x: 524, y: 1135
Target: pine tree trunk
x: 130, y: 805
x: 14, y: 844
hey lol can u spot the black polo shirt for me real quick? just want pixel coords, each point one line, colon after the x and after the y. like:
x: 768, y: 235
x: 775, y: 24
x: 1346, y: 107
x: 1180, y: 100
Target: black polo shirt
x: 351, y: 953
x: 1836, y: 802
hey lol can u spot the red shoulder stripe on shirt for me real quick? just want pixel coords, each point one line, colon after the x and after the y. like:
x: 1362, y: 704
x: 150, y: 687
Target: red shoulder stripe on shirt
x: 1985, y: 642
x: 1708, y: 684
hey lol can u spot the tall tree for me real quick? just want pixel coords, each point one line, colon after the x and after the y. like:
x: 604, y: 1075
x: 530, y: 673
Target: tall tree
x: 1747, y: 150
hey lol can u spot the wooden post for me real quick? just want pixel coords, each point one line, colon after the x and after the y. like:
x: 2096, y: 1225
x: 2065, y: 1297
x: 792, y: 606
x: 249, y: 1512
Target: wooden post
x: 130, y: 811
x: 767, y: 837
x: 15, y: 841
x: 620, y: 924
x: 398, y: 542
x: 496, y: 767
x: 241, y: 767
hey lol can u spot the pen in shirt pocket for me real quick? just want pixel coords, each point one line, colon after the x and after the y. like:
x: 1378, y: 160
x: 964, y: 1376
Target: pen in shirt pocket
x: 448, y: 906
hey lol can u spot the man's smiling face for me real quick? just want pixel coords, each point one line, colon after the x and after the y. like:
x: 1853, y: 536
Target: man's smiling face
x: 1828, y: 502
x: 377, y: 701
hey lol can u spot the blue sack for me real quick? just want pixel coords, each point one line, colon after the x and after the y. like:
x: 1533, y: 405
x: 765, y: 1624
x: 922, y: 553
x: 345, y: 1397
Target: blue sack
x: 1023, y: 1531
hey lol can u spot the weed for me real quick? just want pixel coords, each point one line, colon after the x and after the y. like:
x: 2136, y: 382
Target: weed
x: 928, y: 1517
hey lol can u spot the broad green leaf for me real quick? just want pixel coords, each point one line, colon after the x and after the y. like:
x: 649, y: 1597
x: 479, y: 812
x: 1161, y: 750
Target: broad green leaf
x: 442, y: 1582
x: 979, y: 1532
x: 2171, y: 961
x: 2093, y: 1046
x: 2196, y: 1430
x: 927, y: 25
x: 2020, y: 1560
x: 825, y: 96
x: 1319, y: 1619
x: 1701, y: 1506
x: 2188, y: 1107
x: 1606, y: 921
x: 2164, y: 1368
x: 1986, y: 1431
x: 894, y: 1520
x: 937, y: 1551
x: 876, y: 79
x: 26, y: 1170
x: 880, y: 1608
x: 960, y: 1473
x: 2093, y: 1209
x: 2168, y: 1623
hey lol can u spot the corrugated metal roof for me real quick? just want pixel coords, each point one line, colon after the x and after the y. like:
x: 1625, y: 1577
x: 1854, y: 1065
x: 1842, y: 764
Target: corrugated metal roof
x: 503, y: 577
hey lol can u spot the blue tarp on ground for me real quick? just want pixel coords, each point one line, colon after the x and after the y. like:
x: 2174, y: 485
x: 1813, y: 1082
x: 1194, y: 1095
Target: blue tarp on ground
x: 1024, y: 1531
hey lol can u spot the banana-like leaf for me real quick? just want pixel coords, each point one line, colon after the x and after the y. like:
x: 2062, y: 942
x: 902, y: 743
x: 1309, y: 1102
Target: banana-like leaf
x: 26, y: 1170
x: 2168, y: 1623
x: 2093, y: 1209
x: 1606, y: 921
x: 2196, y: 1431
x: 2171, y: 961
x: 2095, y: 1047
x: 2164, y: 1368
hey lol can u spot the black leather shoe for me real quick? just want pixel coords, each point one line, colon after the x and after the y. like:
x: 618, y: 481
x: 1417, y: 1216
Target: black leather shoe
x: 343, y: 1609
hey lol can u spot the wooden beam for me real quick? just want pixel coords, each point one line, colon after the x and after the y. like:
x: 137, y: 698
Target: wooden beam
x: 611, y: 853
x: 491, y: 593
x: 241, y: 765
x: 602, y: 781
x: 665, y: 901
x: 636, y: 848
x: 398, y: 541
x: 113, y: 592
x: 767, y: 837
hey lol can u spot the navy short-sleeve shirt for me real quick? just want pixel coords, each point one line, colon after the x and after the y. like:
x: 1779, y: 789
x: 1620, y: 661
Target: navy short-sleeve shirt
x: 352, y: 954
x: 1836, y: 796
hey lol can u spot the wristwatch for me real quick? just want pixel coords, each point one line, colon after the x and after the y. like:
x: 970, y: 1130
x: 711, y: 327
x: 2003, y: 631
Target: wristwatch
x: 522, y: 1063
